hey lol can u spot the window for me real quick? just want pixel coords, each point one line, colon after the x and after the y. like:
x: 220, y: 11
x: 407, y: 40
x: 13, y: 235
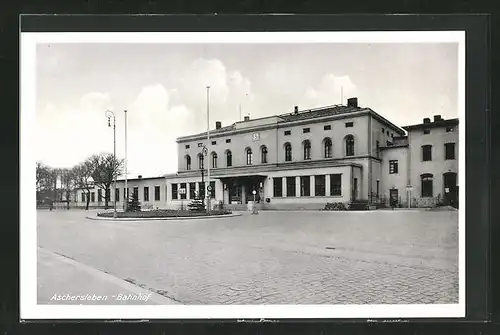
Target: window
x: 392, y: 135
x: 450, y: 129
x: 83, y: 197
x: 288, y: 152
x: 136, y: 192
x: 188, y: 162
x: 349, y: 124
x: 335, y: 184
x: 449, y: 151
x: 393, y: 167
x: 328, y: 148
x: 319, y: 186
x: 200, y: 161
x: 212, y: 193
x: 157, y: 193
x: 288, y: 132
x: 306, y: 130
x: 427, y: 131
x: 201, y: 188
x: 117, y: 194
x: 290, y: 186
x: 192, y: 190
x: 307, y: 150
x: 249, y: 156
x: 327, y: 127
x: 92, y: 196
x: 426, y: 153
x: 183, y: 194
x: 229, y: 158
x: 146, y: 193
x: 214, y: 142
x: 378, y: 189
x: 99, y: 195
x: 214, y: 160
x: 187, y: 146
x: 263, y: 155
x: 378, y: 148
x: 174, y: 191
x: 277, y: 187
x: 383, y: 131
x: 305, y: 186
x: 228, y: 140
x: 349, y: 145
x: 426, y: 186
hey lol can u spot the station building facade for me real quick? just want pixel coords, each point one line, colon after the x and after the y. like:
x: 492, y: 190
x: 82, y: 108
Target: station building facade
x: 307, y: 158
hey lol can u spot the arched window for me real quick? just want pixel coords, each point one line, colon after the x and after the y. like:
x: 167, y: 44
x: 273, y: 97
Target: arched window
x: 426, y: 185
x: 307, y: 149
x: 263, y: 154
x: 214, y: 160
x: 249, y: 156
x: 200, y: 161
x: 327, y: 147
x: 288, y: 152
x: 349, y: 145
x: 229, y: 158
x: 188, y: 162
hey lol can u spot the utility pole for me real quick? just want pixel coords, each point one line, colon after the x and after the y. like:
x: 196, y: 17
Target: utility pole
x: 126, y: 162
x: 209, y: 188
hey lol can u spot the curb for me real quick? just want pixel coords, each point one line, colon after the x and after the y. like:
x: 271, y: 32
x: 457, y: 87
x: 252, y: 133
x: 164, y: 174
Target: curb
x: 164, y: 218
x: 155, y: 297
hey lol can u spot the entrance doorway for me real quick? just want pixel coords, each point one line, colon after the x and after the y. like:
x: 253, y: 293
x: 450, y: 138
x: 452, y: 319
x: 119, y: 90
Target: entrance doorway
x: 355, y: 189
x: 393, y: 197
x: 241, y: 189
x: 450, y: 189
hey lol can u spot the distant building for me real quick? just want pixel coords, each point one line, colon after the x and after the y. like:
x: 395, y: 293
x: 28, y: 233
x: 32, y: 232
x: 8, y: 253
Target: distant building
x: 307, y: 158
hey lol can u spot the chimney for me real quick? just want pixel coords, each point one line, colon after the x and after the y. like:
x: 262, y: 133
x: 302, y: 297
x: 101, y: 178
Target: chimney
x: 218, y: 125
x: 247, y: 118
x: 427, y: 120
x: 140, y: 176
x: 296, y: 110
x: 437, y: 118
x: 352, y: 102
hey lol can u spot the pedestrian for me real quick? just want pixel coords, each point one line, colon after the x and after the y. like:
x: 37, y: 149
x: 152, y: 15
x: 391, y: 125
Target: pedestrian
x: 51, y: 204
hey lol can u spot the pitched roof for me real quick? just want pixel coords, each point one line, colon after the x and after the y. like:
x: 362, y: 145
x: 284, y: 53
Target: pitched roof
x: 435, y: 124
x: 319, y: 112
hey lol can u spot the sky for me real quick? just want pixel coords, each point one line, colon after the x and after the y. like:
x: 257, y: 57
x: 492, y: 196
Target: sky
x: 163, y: 89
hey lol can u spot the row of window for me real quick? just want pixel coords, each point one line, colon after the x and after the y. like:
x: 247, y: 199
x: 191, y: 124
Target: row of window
x: 449, y: 152
x: 117, y: 194
x: 305, y: 186
x: 448, y: 130
x: 181, y: 190
x: 306, y: 146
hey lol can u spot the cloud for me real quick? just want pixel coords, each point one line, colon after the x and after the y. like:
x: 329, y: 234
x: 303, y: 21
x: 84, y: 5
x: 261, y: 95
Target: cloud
x: 329, y: 91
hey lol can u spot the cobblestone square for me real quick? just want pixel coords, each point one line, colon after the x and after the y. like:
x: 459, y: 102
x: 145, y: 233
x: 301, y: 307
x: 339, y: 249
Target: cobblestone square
x: 295, y: 257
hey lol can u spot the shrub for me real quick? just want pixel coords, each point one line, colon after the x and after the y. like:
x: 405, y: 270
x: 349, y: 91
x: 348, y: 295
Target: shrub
x: 197, y: 205
x: 133, y: 204
x: 335, y: 206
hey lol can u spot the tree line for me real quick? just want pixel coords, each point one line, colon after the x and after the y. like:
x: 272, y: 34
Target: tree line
x: 97, y: 170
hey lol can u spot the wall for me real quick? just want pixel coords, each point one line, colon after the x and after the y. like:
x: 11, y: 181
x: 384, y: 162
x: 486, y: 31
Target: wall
x: 396, y: 180
x: 141, y: 183
x: 437, y: 167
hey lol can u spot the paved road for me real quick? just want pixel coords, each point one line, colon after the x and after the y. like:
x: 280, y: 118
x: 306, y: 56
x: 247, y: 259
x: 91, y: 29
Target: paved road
x: 381, y: 257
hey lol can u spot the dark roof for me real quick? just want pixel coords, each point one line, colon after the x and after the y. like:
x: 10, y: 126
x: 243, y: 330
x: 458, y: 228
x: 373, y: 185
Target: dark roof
x: 143, y: 178
x: 316, y: 113
x: 435, y: 124
x: 212, y: 131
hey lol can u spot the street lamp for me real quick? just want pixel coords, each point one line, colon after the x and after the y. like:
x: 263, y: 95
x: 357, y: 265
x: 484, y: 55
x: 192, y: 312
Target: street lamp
x: 110, y: 115
x: 208, y: 188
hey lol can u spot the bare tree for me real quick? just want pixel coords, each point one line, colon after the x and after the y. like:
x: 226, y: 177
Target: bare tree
x: 46, y: 181
x: 82, y: 174
x: 68, y: 183
x: 104, y: 170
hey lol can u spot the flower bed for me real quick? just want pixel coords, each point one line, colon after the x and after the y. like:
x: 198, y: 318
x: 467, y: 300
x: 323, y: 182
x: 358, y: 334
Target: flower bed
x: 162, y: 214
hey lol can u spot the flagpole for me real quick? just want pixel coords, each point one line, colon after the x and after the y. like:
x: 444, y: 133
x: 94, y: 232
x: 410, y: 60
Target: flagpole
x: 208, y: 152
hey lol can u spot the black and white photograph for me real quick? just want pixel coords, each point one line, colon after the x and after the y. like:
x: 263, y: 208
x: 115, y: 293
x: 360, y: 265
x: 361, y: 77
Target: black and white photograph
x: 240, y: 175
